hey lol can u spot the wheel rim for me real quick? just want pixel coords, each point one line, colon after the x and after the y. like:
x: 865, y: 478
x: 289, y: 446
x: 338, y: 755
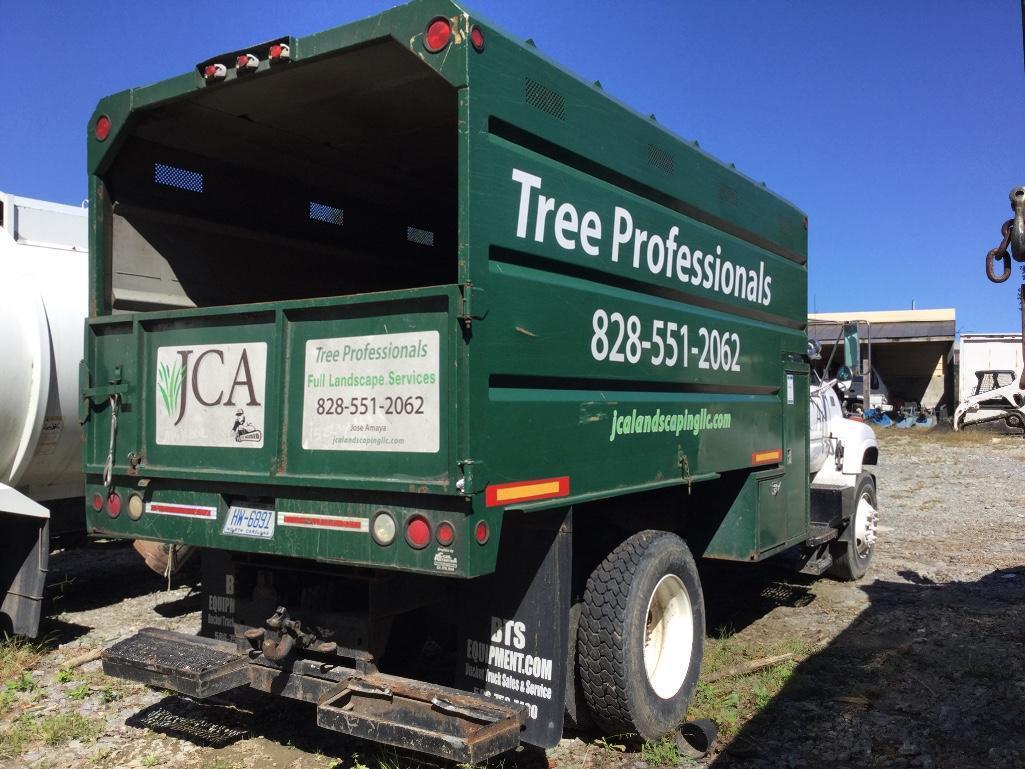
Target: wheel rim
x: 668, y: 636
x: 866, y: 523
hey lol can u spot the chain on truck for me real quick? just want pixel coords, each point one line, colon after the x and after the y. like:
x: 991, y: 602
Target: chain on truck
x: 452, y: 365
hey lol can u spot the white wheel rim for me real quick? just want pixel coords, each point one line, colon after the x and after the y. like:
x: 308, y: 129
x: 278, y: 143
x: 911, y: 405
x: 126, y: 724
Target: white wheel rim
x: 866, y: 523
x: 668, y: 636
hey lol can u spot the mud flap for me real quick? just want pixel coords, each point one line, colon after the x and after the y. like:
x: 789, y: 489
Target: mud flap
x: 514, y: 629
x: 24, y: 559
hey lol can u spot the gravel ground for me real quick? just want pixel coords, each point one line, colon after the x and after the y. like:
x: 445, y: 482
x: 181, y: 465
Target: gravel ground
x: 920, y: 664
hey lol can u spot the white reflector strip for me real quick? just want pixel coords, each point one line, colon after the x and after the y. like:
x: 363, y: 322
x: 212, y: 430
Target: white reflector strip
x: 183, y: 511
x: 329, y: 522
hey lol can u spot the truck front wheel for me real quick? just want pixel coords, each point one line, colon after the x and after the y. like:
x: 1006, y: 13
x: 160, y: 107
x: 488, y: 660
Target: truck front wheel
x: 853, y: 551
x: 641, y: 636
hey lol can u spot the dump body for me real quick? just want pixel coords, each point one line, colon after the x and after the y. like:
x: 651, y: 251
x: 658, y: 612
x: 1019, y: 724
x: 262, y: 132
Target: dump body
x: 626, y: 314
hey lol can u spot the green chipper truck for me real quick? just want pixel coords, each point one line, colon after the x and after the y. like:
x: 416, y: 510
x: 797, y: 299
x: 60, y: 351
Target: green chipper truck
x: 451, y: 364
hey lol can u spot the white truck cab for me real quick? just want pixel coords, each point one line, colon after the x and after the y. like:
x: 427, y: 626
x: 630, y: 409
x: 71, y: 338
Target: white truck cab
x: 843, y: 491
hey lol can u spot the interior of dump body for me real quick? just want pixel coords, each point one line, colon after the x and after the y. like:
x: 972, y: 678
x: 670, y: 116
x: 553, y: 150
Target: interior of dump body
x: 317, y: 178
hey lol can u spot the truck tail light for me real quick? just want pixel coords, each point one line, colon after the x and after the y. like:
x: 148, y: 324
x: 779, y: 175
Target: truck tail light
x: 97, y: 502
x: 418, y: 532
x: 246, y: 62
x: 383, y: 528
x: 477, y: 39
x: 446, y: 534
x: 438, y: 34
x: 214, y: 72
x: 135, y: 507
x: 102, y: 128
x: 114, y: 504
x: 278, y: 52
x: 481, y: 532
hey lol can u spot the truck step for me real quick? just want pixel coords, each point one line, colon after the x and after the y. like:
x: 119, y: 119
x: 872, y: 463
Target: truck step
x: 453, y: 724
x: 817, y: 566
x: 820, y: 534
x: 198, y: 667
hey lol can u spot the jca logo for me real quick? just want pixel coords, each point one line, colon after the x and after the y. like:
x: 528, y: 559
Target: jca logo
x: 211, y: 395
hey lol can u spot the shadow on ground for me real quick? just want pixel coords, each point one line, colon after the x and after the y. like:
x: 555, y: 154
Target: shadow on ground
x: 927, y: 676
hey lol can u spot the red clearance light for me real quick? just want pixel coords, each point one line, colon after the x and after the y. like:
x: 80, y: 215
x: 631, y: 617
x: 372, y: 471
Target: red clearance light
x: 418, y: 532
x: 446, y: 534
x: 215, y: 71
x: 481, y: 532
x: 278, y: 52
x: 97, y: 502
x: 102, y: 128
x: 477, y: 39
x: 114, y: 504
x: 246, y: 62
x: 438, y: 34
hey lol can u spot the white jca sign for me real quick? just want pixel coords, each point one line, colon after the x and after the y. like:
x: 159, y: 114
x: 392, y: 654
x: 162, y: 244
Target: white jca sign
x: 211, y: 395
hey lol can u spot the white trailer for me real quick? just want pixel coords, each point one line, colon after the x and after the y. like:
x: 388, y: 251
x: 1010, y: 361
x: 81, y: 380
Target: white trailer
x: 987, y: 352
x: 43, y: 279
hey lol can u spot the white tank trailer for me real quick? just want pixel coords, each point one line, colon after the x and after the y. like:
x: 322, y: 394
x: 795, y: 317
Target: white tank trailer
x: 43, y: 280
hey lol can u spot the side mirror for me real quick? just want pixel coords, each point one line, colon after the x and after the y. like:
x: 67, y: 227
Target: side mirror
x: 844, y: 374
x: 851, y: 347
x: 814, y: 349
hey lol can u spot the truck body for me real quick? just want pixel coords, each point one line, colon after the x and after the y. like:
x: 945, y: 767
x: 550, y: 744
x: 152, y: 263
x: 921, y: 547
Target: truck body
x: 43, y: 269
x: 422, y: 338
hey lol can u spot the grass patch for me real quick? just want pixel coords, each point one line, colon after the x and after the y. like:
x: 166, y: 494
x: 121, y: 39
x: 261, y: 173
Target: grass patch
x: 733, y: 700
x: 662, y: 752
x: 80, y: 692
x: 54, y: 730
x: 17, y: 655
x: 62, y: 728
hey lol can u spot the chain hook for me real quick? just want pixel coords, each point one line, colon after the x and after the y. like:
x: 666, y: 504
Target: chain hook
x: 1017, y: 233
x: 1000, y: 253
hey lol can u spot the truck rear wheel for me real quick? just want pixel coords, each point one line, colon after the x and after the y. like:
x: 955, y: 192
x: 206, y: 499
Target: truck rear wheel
x: 852, y: 553
x: 641, y: 636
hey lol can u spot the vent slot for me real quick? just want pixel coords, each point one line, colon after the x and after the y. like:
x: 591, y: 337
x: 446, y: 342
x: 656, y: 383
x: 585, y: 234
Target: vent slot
x: 179, y: 178
x: 322, y: 212
x: 545, y: 99
x: 419, y: 236
x: 660, y: 158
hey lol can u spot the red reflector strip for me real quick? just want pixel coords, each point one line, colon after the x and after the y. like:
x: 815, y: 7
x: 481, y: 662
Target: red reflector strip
x: 526, y: 491
x: 330, y: 522
x: 184, y: 511
x: 765, y: 457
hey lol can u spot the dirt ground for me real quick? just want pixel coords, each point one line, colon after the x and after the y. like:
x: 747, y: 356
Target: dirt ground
x: 920, y: 664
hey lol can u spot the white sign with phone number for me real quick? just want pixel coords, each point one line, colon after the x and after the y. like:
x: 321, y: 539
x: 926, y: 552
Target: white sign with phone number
x: 373, y: 393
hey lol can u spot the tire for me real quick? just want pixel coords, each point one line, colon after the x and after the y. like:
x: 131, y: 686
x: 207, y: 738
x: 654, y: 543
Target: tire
x: 852, y: 553
x: 649, y: 576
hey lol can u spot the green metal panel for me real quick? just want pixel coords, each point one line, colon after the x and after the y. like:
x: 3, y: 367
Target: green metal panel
x: 623, y: 305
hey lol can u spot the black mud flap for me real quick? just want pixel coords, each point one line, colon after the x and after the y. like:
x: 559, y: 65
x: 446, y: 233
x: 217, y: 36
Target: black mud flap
x: 514, y: 628
x: 444, y: 722
x: 198, y: 667
x: 24, y: 557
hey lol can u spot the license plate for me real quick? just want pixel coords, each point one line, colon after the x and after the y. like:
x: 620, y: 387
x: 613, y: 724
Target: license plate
x: 249, y: 522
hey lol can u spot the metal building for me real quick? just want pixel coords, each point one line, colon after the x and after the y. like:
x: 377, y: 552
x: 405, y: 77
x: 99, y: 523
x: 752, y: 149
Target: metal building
x: 912, y: 351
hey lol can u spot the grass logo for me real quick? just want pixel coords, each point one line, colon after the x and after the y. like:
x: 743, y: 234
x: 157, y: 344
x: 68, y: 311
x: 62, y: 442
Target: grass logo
x: 169, y: 383
x: 198, y: 388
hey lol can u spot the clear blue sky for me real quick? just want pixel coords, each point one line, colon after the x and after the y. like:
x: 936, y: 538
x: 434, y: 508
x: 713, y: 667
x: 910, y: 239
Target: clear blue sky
x: 898, y: 127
